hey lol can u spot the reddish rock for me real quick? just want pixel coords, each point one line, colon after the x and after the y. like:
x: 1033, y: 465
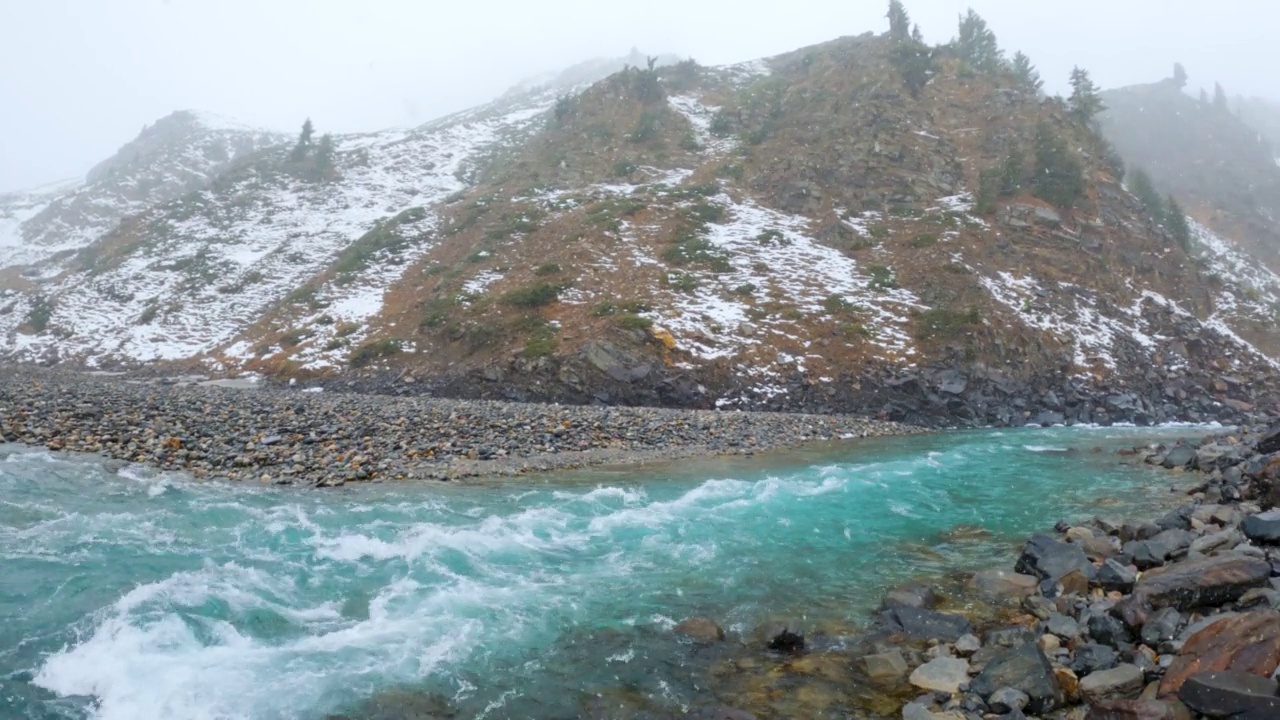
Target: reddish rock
x: 1139, y: 710
x: 1204, y: 582
x: 1247, y: 643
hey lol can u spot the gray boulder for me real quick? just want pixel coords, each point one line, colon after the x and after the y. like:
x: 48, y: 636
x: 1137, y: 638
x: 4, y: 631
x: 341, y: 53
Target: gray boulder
x: 1049, y: 559
x: 1263, y: 527
x: 1026, y: 669
x: 1235, y: 695
x: 1120, y: 682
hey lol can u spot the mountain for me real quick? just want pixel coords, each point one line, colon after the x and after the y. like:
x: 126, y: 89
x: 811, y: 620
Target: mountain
x: 806, y: 231
x: 1221, y: 168
x: 176, y: 155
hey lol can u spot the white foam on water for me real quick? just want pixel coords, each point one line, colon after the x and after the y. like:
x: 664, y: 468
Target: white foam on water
x: 1045, y: 449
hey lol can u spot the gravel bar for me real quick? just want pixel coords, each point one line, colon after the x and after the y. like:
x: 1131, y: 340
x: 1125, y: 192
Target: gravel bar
x: 287, y: 436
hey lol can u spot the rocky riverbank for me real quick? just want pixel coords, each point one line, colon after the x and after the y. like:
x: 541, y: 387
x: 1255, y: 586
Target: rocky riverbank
x: 1112, y: 619
x: 287, y: 436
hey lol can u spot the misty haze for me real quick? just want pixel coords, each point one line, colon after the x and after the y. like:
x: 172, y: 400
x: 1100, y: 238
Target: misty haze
x: 903, y: 359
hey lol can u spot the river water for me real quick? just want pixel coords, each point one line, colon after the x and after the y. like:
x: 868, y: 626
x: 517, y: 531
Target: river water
x: 127, y: 595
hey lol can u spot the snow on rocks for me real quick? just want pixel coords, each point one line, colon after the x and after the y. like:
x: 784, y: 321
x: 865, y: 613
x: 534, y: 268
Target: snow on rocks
x: 771, y: 254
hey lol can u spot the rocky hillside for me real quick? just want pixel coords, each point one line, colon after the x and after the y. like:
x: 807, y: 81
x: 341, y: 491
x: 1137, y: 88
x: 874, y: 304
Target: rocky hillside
x: 176, y: 155
x: 800, y: 232
x: 1222, y: 168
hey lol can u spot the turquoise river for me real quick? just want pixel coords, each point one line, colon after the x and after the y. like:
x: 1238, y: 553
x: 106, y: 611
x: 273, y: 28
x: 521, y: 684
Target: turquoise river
x: 129, y: 595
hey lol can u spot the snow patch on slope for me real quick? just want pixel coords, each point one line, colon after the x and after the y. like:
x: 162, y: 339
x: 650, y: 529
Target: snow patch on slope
x: 772, y: 253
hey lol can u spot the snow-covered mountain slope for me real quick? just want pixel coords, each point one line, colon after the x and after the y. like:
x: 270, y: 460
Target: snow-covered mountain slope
x: 179, y: 153
x: 180, y: 279
x: 732, y: 237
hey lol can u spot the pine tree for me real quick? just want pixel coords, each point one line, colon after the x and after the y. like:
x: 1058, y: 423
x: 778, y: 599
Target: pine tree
x: 1026, y: 73
x: 304, y: 142
x: 1059, y: 176
x: 1204, y: 97
x: 1084, y: 102
x: 977, y: 44
x: 915, y: 63
x: 1179, y: 75
x: 1219, y: 96
x: 324, y: 156
x: 899, y: 21
x: 1142, y: 188
x: 916, y: 35
x: 1176, y: 221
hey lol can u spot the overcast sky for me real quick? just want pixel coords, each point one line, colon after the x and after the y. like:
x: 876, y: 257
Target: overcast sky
x: 78, y: 78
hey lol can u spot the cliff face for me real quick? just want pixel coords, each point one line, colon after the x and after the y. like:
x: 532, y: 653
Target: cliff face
x: 798, y: 232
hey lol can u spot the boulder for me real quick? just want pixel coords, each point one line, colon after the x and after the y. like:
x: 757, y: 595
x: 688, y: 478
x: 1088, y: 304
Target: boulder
x: 1161, y: 627
x: 1202, y: 582
x: 699, y: 629
x: 885, y: 666
x: 967, y: 645
x: 1003, y: 586
x: 1063, y: 626
x: 1235, y: 695
x: 1007, y: 700
x: 1115, y: 576
x: 1109, y: 630
x: 1049, y: 559
x: 1263, y: 527
x: 1269, y: 441
x: 1179, y: 456
x: 1155, y: 551
x: 1023, y: 668
x: 942, y: 674
x: 1213, y: 542
x: 1246, y: 642
x: 787, y: 642
x: 1094, y: 657
x: 925, y: 624
x: 1138, y: 710
x: 1120, y: 682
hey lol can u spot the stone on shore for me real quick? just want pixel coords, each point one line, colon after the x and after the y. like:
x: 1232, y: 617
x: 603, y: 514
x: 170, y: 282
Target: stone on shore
x: 1003, y: 586
x: 890, y: 665
x: 1138, y: 710
x: 1235, y: 695
x: 1121, y: 682
x: 1049, y: 559
x: 1247, y: 642
x: 1263, y: 527
x: 941, y: 675
x: 925, y: 624
x: 1202, y: 582
x: 1024, y: 668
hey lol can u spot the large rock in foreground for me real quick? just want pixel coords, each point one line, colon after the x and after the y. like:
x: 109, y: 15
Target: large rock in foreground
x: 1239, y: 696
x: 1202, y: 583
x: 1247, y: 643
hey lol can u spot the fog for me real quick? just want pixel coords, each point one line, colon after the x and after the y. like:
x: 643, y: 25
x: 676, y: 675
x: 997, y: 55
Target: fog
x: 80, y: 78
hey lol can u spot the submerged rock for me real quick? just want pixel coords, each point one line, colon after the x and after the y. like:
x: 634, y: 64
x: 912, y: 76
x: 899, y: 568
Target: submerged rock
x: 787, y: 642
x: 699, y: 629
